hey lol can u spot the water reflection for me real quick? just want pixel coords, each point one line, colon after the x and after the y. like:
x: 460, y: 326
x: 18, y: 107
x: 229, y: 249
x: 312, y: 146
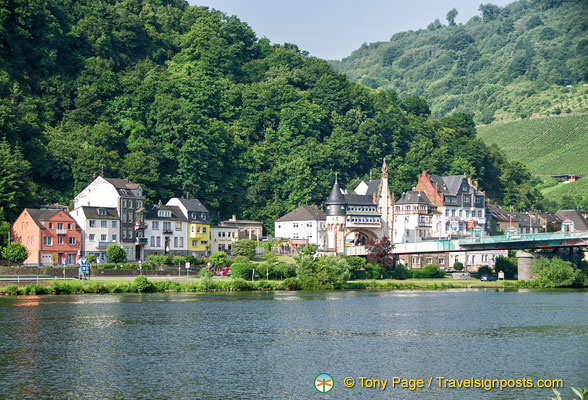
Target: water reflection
x: 271, y: 345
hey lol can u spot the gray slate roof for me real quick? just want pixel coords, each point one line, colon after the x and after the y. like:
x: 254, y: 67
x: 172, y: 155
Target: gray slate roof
x: 373, y: 186
x: 358, y: 199
x: 39, y: 216
x: 193, y: 205
x: 151, y: 213
x: 125, y: 187
x: 304, y: 213
x: 414, y: 197
x: 94, y: 212
x: 580, y: 222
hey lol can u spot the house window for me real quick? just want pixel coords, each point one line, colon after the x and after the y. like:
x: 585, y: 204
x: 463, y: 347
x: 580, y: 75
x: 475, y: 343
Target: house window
x: 460, y: 213
x: 114, y: 224
x: 175, y: 242
x: 50, y: 225
x: 193, y: 228
x: 104, y: 224
x: 60, y: 240
x: 429, y: 260
x: 114, y: 238
x: 194, y: 243
x: 167, y: 226
x: 152, y: 241
x: 467, y: 213
x: 103, y: 237
x: 48, y: 241
x: 124, y: 203
x: 453, y: 213
x: 295, y: 225
x: 158, y: 241
x: 204, y: 242
x: 309, y: 224
x: 441, y: 261
x: 72, y: 240
x: 69, y: 227
x: 60, y: 226
x: 181, y: 242
x: 203, y: 229
x: 480, y: 213
x: 131, y: 216
x: 416, y: 260
x: 178, y: 226
x: 198, y: 229
x: 92, y: 237
x: 124, y: 234
x: 155, y: 225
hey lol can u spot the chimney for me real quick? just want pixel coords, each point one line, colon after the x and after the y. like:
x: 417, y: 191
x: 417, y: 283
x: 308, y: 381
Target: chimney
x: 234, y: 218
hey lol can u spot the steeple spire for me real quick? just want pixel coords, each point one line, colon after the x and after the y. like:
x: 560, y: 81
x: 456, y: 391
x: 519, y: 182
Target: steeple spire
x: 384, y: 169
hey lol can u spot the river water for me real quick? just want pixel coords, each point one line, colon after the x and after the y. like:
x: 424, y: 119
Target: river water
x: 264, y: 345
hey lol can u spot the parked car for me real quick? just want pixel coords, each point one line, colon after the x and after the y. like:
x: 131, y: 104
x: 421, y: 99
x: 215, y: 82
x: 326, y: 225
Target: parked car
x: 487, y: 277
x: 224, y: 271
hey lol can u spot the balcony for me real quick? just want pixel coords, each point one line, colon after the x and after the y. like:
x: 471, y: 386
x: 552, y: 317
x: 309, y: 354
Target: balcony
x: 61, y: 231
x: 103, y: 245
x: 141, y: 241
x: 167, y: 231
x: 139, y: 226
x: 364, y: 224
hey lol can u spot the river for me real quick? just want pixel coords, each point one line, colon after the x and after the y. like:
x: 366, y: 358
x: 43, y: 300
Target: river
x: 271, y: 345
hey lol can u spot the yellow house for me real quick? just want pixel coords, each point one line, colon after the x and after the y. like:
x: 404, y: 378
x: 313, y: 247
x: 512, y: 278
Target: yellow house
x: 198, y: 225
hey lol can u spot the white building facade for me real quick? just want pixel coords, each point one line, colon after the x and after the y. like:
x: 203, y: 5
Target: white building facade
x: 100, y: 228
x: 305, y: 222
x: 127, y: 198
x: 166, y: 231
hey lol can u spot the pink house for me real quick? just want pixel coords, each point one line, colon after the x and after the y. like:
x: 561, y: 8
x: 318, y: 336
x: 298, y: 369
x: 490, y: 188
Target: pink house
x: 51, y: 236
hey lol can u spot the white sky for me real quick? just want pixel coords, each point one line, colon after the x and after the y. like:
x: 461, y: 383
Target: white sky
x: 332, y: 29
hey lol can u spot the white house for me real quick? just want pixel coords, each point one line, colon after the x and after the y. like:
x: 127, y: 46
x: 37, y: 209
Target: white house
x: 100, y: 228
x: 166, y: 231
x: 127, y: 198
x: 305, y: 222
x: 461, y: 205
x: 414, y: 218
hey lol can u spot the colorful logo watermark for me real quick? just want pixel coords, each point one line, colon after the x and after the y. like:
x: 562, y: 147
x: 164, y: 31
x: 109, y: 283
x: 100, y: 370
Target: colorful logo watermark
x: 323, y: 383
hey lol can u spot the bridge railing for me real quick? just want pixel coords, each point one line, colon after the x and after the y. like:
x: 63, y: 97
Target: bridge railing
x: 524, y: 237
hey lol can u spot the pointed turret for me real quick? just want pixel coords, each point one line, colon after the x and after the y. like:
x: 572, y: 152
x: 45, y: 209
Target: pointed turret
x: 336, y: 201
x: 384, y: 170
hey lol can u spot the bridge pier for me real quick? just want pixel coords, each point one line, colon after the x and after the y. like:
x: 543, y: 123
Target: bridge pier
x: 525, y: 266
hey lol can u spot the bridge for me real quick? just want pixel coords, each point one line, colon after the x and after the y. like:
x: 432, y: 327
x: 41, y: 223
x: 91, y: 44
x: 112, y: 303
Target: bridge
x: 567, y: 237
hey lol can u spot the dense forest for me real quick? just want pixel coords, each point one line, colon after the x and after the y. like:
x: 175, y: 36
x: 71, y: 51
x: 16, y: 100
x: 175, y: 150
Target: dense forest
x: 509, y: 62
x: 185, y: 100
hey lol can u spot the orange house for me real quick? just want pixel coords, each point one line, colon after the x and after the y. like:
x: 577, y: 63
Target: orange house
x: 51, y: 236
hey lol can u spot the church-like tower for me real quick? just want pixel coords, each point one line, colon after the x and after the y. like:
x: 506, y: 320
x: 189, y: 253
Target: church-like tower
x: 385, y: 201
x: 336, y: 220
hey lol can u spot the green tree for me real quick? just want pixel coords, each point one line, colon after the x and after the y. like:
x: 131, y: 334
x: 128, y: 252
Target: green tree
x: 218, y: 259
x: 458, y: 266
x: 244, y: 247
x: 451, y: 16
x: 15, y: 183
x: 15, y: 252
x: 554, y: 272
x: 116, y: 254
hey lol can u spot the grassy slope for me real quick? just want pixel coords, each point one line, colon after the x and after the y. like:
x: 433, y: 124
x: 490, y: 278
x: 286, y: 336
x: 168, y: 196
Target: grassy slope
x: 548, y: 146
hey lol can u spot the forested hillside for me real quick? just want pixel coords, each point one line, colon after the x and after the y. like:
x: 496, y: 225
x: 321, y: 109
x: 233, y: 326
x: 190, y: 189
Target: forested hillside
x: 188, y: 101
x: 507, y: 63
